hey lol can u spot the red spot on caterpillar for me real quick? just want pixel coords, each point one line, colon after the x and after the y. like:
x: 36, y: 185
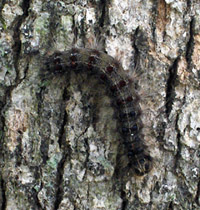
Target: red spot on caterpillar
x: 120, y: 102
x: 58, y: 67
x: 57, y: 61
x: 92, y: 60
x: 73, y: 60
x: 103, y: 77
x: 121, y: 84
x: 96, y: 52
x: 113, y: 88
x: 129, y: 99
x: 109, y: 69
x: 73, y: 57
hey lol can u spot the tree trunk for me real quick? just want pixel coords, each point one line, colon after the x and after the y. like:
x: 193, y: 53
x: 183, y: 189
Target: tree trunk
x: 61, y: 142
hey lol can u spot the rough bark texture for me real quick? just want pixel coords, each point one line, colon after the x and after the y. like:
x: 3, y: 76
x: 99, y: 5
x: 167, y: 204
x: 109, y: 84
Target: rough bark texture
x: 52, y: 156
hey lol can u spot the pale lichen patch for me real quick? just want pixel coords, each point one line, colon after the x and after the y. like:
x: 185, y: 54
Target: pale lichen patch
x: 17, y: 124
x: 196, y: 52
x: 11, y: 12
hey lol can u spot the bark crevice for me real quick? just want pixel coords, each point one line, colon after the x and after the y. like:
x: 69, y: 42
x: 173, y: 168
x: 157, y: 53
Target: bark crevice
x: 66, y: 152
x: 37, y: 202
x: 59, y: 181
x: 3, y: 192
x: 124, y: 200
x: 179, y: 145
x: 198, y: 194
x: 190, y: 44
x: 16, y: 36
x: 170, y: 87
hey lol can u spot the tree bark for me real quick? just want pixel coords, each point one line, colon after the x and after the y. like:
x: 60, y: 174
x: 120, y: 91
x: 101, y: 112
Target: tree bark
x: 60, y: 144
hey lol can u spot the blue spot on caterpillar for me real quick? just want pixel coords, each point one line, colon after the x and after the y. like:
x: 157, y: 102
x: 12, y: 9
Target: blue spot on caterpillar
x: 110, y: 72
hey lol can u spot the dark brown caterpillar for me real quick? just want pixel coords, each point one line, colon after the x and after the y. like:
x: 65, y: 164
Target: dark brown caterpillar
x: 110, y: 71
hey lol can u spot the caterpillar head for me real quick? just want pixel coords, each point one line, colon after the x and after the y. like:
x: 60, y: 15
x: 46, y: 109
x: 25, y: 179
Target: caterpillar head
x: 142, y: 164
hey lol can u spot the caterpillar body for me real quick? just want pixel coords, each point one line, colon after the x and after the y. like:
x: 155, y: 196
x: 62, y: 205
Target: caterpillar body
x: 108, y: 70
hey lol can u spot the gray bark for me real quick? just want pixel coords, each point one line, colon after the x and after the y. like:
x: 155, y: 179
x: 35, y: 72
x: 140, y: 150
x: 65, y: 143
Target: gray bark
x: 52, y: 156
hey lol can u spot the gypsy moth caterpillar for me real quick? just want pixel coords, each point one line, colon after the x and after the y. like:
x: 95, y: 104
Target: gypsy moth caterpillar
x: 109, y: 71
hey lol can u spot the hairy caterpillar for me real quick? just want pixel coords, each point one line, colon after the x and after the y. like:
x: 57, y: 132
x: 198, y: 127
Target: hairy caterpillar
x: 110, y: 71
